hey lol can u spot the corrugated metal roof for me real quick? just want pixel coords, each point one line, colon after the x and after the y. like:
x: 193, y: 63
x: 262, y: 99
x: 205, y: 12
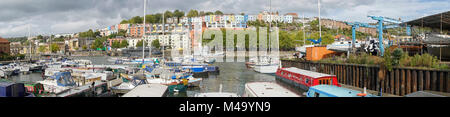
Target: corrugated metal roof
x: 308, y: 73
x: 433, y: 21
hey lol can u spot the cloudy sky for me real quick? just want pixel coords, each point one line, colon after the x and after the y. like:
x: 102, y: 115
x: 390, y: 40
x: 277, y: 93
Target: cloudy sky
x: 69, y: 16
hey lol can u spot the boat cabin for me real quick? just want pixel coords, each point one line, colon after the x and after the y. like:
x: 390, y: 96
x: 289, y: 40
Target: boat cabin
x: 333, y: 91
x: 307, y: 78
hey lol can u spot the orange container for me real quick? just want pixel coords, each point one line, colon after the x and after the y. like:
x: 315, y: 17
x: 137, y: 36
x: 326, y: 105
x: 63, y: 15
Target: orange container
x: 318, y: 53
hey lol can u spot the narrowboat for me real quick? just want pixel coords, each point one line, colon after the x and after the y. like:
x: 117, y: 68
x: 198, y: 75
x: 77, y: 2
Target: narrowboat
x: 334, y: 91
x: 195, y: 69
x: 304, y: 79
x: 267, y: 89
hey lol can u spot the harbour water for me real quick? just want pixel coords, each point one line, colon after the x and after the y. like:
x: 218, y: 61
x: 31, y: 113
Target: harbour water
x: 233, y: 76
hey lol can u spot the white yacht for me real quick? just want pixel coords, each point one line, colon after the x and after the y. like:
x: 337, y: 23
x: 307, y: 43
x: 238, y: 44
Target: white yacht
x: 343, y: 46
x: 266, y: 65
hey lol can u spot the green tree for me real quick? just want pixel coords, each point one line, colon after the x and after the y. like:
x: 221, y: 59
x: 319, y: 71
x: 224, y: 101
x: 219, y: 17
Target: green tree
x: 209, y: 13
x: 124, y: 22
x: 218, y: 12
x: 40, y: 37
x: 124, y: 44
x: 87, y: 34
x: 84, y: 47
x: 139, y: 43
x: 136, y: 20
x: 54, y: 47
x: 178, y: 13
x: 98, y: 43
x: 58, y: 40
x: 155, y: 43
x: 42, y: 49
x: 168, y: 14
x: 396, y: 56
x: 115, y: 44
x: 192, y: 13
x: 122, y: 33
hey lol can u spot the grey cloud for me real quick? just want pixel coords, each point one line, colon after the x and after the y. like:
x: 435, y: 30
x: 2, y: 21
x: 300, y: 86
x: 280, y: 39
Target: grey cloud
x: 67, y: 16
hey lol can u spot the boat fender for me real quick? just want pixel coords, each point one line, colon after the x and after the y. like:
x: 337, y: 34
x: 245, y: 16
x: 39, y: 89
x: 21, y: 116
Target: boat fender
x: 361, y: 94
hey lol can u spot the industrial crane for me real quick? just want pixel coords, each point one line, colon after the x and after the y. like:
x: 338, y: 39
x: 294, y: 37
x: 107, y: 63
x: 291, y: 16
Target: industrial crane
x: 355, y: 26
x: 393, y: 23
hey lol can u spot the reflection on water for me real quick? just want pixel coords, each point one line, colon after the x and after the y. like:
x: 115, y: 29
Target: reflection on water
x: 233, y: 77
x: 27, y: 78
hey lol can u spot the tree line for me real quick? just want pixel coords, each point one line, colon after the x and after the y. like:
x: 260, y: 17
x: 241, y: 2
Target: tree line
x: 158, y: 17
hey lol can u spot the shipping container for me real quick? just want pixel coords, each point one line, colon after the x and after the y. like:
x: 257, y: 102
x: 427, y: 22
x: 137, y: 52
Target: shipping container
x: 318, y: 53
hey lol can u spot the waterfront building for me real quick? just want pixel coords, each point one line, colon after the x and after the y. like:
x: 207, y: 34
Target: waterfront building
x: 132, y: 42
x: 4, y: 46
x: 73, y: 44
x: 111, y: 41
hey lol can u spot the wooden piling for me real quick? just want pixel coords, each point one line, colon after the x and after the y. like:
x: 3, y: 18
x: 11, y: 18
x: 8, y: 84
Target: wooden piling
x: 392, y: 82
x: 434, y: 81
x: 397, y: 82
x: 414, y: 80
x: 441, y: 82
x: 448, y: 82
x: 420, y: 81
x: 427, y: 80
x: 357, y: 76
x: 402, y: 83
x: 408, y: 81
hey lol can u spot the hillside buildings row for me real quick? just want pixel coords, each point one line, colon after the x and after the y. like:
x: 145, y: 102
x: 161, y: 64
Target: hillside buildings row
x: 176, y: 33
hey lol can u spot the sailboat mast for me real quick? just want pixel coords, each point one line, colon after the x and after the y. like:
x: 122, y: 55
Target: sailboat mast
x: 143, y: 35
x: 164, y: 30
x: 29, y: 37
x: 320, y: 27
x: 304, y: 36
x: 270, y: 24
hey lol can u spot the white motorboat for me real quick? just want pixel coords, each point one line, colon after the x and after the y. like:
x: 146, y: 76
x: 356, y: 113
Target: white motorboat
x: 24, y: 68
x: 6, y: 71
x: 343, y: 46
x: 266, y: 68
x: 266, y: 65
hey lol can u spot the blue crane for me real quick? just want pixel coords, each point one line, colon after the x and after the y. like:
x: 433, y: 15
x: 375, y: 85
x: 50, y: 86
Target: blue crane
x: 355, y: 26
x: 381, y: 20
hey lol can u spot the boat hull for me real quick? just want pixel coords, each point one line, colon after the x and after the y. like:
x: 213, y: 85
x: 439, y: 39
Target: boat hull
x: 292, y: 83
x: 266, y: 69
